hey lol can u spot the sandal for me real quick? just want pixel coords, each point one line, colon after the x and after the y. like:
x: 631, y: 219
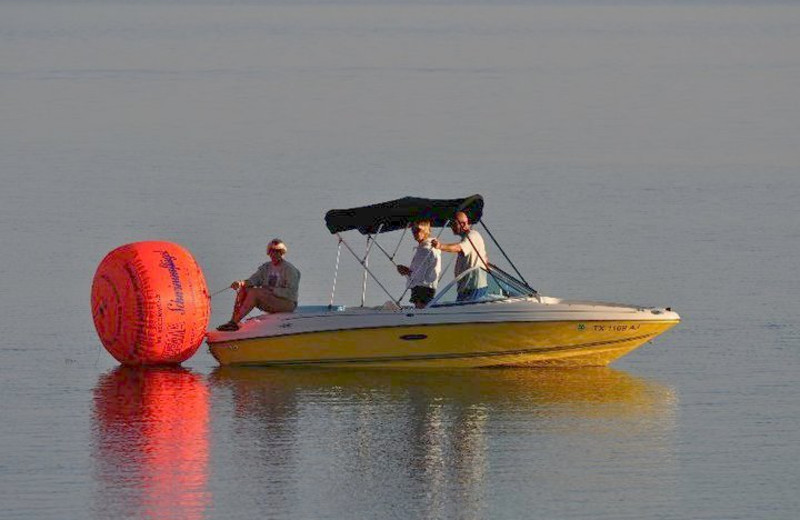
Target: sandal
x: 228, y: 327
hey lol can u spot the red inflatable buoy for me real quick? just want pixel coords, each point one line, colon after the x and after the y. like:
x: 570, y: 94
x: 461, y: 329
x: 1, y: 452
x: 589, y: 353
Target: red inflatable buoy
x: 150, y: 303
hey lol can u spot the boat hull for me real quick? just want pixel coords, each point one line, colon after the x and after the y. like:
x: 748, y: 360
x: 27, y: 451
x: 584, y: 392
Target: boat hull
x: 566, y: 343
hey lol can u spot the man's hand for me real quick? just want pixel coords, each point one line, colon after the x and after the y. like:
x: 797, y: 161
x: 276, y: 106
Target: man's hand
x: 405, y: 271
x: 435, y: 243
x: 238, y: 284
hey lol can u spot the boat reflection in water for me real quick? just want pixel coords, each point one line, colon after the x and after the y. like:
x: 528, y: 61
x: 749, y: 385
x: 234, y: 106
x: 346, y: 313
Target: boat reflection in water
x: 436, y: 443
x: 151, y: 444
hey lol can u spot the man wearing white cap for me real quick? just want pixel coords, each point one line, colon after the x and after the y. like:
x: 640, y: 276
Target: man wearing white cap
x: 272, y: 288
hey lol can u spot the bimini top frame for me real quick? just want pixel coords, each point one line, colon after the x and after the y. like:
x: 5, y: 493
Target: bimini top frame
x: 400, y: 214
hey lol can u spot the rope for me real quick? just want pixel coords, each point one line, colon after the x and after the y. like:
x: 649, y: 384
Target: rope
x: 218, y: 292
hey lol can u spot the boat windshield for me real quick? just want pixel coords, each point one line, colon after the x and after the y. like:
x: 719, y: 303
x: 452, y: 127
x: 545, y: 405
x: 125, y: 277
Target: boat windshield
x: 501, y: 286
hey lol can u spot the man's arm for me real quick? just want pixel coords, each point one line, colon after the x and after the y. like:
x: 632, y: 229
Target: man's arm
x: 253, y: 281
x: 447, y: 248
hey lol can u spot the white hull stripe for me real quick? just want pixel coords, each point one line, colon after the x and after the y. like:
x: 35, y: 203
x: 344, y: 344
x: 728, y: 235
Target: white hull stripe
x: 281, y: 334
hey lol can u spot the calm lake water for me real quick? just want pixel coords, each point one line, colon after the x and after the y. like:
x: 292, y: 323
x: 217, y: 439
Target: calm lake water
x: 637, y: 151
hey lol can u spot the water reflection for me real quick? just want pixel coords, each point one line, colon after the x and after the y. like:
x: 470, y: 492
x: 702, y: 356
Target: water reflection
x: 151, y: 443
x: 427, y: 440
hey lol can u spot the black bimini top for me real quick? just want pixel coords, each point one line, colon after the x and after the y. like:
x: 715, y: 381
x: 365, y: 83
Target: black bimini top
x: 398, y: 214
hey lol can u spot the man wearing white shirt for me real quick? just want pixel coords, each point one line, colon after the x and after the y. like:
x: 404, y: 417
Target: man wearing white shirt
x: 423, y: 273
x: 471, y: 253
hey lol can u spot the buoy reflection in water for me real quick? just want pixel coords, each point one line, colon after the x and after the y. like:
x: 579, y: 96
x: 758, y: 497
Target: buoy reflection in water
x: 151, y: 443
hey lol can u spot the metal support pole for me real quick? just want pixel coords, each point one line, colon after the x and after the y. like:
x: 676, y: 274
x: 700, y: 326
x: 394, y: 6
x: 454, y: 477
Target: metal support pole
x: 336, y: 272
x: 447, y: 223
x: 390, y: 258
x: 483, y: 260
x: 365, y: 263
x: 396, y: 249
x: 358, y: 259
x: 522, y: 278
x: 449, y: 263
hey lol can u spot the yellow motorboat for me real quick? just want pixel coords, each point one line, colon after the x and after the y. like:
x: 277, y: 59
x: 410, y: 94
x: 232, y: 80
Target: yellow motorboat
x: 510, y: 324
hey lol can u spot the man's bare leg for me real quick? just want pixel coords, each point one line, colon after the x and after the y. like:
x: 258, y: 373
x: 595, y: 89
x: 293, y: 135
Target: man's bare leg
x: 246, y: 300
